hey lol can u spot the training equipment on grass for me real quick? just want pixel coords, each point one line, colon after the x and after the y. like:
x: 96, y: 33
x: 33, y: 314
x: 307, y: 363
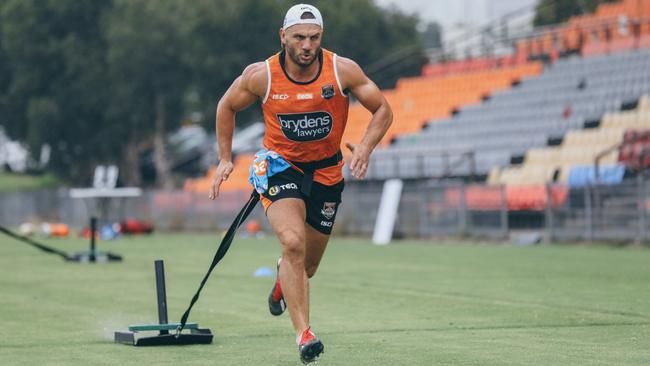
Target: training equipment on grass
x: 34, y: 243
x: 93, y: 255
x: 135, y: 336
x: 98, y: 204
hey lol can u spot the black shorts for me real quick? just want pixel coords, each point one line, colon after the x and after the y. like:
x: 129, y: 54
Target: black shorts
x: 322, y: 203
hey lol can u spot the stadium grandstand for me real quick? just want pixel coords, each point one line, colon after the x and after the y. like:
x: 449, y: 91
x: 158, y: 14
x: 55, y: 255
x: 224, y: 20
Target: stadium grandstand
x: 566, y: 110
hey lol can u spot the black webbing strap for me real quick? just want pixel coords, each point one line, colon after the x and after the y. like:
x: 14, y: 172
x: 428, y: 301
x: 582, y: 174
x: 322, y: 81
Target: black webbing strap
x: 221, y: 252
x: 309, y: 168
x: 26, y: 240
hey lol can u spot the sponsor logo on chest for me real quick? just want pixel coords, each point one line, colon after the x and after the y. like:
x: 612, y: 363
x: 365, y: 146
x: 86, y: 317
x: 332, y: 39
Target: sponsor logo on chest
x: 307, y: 126
x: 280, y: 96
x: 327, y: 92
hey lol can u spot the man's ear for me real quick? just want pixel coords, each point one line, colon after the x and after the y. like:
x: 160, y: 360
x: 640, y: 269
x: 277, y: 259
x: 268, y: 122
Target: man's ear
x: 282, y: 36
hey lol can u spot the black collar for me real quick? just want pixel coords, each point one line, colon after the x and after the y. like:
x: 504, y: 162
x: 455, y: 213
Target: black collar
x: 320, y: 68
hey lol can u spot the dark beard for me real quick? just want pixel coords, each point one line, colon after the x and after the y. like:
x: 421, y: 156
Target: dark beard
x: 296, y: 58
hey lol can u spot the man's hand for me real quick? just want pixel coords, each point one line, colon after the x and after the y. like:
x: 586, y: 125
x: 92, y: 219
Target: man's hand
x: 360, y: 158
x: 368, y: 94
x: 243, y: 92
x: 223, y: 171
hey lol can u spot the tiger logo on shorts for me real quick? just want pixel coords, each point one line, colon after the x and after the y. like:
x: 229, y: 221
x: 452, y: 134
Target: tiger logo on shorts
x: 329, y: 209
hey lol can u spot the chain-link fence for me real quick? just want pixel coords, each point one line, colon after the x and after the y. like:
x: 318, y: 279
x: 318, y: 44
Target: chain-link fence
x: 427, y: 208
x: 555, y: 212
x: 611, y: 213
x: 168, y: 210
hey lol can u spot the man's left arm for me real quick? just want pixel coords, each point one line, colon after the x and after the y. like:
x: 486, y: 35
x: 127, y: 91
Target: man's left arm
x: 369, y: 95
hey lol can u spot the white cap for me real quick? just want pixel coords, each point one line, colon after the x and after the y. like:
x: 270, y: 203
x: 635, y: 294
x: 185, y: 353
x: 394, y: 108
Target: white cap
x: 294, y: 16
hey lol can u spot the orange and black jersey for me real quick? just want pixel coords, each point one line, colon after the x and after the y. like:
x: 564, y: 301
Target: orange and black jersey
x: 305, y: 120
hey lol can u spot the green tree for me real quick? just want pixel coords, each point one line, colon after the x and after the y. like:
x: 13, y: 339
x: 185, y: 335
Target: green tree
x: 225, y: 36
x: 432, y: 35
x: 557, y: 11
x: 55, y: 93
x: 222, y: 38
x: 98, y: 80
x: 385, y: 43
x: 148, y: 77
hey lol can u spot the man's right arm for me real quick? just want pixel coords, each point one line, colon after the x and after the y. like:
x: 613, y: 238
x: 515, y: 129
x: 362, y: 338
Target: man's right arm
x: 243, y: 92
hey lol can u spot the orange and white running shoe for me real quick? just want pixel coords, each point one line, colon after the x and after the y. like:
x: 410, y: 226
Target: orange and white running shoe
x: 309, y: 346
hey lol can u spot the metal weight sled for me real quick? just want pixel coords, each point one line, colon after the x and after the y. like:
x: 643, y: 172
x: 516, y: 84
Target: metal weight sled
x: 93, y: 255
x: 136, y: 335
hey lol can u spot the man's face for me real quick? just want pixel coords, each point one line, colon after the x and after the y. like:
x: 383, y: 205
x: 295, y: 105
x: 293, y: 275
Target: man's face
x: 302, y: 43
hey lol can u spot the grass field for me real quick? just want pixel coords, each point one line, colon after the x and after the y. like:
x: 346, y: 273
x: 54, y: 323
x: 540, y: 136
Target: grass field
x: 411, y: 303
x: 10, y: 182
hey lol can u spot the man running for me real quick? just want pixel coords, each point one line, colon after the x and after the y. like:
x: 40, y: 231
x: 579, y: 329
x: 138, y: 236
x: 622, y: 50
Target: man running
x: 304, y: 91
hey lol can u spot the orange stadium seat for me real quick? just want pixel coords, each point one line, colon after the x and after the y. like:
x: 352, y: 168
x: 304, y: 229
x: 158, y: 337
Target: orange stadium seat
x: 622, y: 44
x: 546, y: 43
x: 506, y: 61
x: 644, y: 41
x: 535, y: 198
x: 434, y: 69
x: 520, y: 198
x: 478, y: 198
x: 644, y: 12
x: 416, y: 100
x: 571, y: 38
x: 594, y: 49
x: 522, y: 47
x: 643, y: 27
x: 521, y: 57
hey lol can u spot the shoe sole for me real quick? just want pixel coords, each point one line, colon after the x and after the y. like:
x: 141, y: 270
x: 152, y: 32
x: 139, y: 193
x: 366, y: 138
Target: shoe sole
x: 310, y: 352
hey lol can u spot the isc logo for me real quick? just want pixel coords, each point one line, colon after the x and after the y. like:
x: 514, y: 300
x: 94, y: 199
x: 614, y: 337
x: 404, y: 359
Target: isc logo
x: 326, y: 223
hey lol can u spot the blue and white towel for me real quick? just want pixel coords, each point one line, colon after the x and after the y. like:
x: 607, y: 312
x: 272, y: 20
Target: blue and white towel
x: 267, y: 163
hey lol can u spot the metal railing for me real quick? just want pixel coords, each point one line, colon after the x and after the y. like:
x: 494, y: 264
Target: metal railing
x: 422, y: 163
x: 428, y: 209
x: 450, y: 209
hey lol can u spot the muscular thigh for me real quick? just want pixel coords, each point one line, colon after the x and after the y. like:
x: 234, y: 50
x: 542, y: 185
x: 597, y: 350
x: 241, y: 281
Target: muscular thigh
x: 287, y: 216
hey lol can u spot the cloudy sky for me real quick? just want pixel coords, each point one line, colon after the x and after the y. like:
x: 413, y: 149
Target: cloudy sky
x: 450, y: 12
